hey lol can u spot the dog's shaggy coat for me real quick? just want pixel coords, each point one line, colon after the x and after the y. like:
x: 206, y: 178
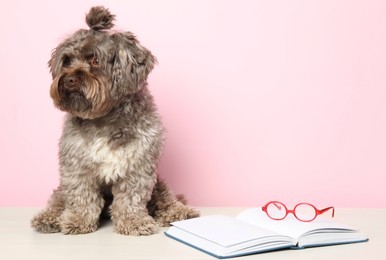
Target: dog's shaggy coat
x: 112, y: 137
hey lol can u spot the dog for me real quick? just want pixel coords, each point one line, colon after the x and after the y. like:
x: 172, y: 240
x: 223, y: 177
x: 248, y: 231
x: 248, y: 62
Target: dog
x: 112, y: 137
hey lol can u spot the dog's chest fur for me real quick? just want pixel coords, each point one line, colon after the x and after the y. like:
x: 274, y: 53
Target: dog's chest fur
x: 108, y: 152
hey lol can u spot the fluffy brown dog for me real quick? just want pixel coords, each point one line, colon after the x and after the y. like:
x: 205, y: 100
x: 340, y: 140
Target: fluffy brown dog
x: 112, y: 137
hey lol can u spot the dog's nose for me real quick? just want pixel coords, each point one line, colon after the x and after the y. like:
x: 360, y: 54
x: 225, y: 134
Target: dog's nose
x: 71, y: 81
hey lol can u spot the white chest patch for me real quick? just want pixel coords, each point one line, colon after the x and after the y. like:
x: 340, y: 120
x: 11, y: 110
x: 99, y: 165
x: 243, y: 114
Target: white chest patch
x: 109, y: 164
x: 113, y: 164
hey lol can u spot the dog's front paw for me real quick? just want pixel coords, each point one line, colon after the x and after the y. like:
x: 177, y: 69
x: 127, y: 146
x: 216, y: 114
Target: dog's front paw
x: 136, y: 225
x: 175, y: 212
x: 73, y: 224
x: 46, y: 222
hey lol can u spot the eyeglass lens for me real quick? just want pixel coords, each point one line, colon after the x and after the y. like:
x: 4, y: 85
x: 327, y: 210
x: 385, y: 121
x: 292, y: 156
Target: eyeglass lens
x: 305, y: 212
x: 276, y: 210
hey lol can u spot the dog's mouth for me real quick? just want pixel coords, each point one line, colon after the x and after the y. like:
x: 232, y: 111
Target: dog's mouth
x: 71, y: 95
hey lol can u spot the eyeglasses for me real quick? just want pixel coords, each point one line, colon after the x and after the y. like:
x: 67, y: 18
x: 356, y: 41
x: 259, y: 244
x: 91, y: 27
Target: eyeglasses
x: 303, y: 211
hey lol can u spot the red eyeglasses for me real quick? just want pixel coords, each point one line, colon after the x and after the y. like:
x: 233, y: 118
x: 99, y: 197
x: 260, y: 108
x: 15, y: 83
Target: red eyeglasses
x: 303, y: 211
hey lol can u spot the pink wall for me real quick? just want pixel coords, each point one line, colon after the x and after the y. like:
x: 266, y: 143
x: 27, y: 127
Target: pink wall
x: 262, y: 99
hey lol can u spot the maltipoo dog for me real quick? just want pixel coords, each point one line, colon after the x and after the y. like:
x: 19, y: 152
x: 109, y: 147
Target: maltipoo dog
x: 112, y: 137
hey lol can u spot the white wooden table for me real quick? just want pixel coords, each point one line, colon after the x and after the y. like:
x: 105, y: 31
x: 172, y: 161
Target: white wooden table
x: 19, y: 241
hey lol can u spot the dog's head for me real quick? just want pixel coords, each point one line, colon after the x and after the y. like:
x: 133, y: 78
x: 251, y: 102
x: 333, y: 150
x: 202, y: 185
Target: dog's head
x: 94, y: 70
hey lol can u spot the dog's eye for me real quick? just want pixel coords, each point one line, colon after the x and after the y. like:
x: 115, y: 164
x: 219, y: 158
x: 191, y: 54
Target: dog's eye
x: 66, y: 61
x: 95, y: 61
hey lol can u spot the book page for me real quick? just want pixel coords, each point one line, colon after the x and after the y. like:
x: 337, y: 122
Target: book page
x: 289, y: 226
x: 227, y: 231
x: 215, y: 249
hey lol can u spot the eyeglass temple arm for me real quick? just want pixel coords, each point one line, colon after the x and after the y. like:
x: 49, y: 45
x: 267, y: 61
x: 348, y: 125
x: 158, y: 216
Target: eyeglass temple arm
x: 277, y: 205
x: 326, y: 209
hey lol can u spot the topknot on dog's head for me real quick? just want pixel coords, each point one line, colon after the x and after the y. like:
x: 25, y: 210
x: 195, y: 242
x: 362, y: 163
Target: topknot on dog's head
x: 100, y: 18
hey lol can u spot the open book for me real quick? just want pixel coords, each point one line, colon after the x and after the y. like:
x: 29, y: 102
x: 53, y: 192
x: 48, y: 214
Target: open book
x: 252, y: 231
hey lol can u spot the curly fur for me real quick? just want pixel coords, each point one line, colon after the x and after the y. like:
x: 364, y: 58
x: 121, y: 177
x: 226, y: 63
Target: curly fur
x: 100, y: 18
x: 112, y: 136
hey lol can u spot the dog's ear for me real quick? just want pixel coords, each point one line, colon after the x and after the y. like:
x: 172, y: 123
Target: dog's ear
x: 132, y: 63
x: 54, y: 63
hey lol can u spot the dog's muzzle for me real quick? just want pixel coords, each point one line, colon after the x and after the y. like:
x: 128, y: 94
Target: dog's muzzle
x: 70, y: 93
x: 69, y: 83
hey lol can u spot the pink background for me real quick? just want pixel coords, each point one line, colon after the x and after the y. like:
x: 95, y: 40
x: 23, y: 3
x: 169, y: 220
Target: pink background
x: 262, y: 99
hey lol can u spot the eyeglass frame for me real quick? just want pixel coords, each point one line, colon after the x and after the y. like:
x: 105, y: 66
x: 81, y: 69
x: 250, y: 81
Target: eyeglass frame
x: 287, y: 211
